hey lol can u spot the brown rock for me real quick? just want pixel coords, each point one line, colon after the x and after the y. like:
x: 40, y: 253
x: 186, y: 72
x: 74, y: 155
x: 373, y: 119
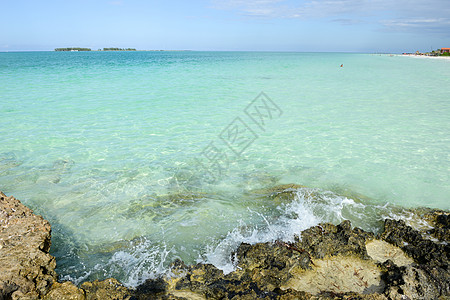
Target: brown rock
x: 429, y: 276
x: 27, y: 269
x: 65, y: 291
x: 105, y: 290
x: 328, y: 239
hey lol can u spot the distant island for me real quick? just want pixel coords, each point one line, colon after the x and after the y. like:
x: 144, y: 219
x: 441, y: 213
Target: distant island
x: 117, y: 49
x: 73, y: 49
x: 76, y: 49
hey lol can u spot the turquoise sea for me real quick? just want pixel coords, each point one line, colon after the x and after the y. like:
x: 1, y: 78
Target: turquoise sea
x: 138, y: 158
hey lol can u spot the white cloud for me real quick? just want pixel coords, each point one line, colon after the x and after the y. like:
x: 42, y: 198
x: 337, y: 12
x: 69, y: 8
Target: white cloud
x: 439, y: 25
x: 393, y: 15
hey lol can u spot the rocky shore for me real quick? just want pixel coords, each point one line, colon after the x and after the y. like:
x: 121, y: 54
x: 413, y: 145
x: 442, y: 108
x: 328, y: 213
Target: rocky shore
x: 325, y: 262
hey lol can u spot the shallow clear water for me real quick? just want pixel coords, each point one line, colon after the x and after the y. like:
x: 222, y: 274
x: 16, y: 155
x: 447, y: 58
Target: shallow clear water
x: 138, y: 158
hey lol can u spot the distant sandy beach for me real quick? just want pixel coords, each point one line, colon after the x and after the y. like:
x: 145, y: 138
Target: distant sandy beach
x: 424, y: 56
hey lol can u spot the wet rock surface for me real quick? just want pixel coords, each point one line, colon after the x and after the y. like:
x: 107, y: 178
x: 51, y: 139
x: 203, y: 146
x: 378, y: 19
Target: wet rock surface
x: 325, y: 262
x: 429, y: 276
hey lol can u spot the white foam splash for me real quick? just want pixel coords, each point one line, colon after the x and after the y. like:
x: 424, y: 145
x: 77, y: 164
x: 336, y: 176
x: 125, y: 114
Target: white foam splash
x: 302, y: 213
x: 141, y: 262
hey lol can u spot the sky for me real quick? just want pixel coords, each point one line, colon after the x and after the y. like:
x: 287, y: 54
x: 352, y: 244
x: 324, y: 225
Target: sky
x: 373, y: 26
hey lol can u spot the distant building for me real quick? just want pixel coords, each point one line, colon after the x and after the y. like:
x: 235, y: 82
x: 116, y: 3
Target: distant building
x: 445, y: 50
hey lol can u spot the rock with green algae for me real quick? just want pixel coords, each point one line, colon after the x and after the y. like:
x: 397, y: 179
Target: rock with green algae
x: 159, y: 206
x: 328, y: 239
x: 287, y: 192
x: 441, y: 229
x: 279, y: 193
x: 429, y: 276
x: 439, y: 220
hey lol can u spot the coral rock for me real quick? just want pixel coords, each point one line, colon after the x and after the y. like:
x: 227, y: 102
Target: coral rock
x: 27, y: 269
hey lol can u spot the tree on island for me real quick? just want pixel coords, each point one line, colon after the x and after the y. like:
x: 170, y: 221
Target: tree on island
x: 119, y: 49
x: 73, y: 49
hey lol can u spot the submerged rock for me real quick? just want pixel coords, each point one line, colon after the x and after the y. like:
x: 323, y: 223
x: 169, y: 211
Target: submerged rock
x: 324, y: 262
x: 279, y: 193
x: 158, y: 207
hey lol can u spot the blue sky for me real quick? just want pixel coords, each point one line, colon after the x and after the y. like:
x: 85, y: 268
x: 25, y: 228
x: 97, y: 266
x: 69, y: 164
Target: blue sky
x: 264, y: 25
